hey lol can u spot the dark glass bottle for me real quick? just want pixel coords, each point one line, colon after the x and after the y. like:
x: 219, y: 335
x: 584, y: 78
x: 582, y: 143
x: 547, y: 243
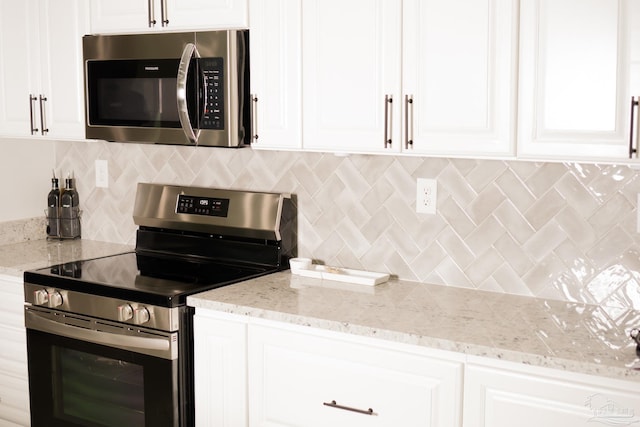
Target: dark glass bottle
x: 69, y: 211
x: 53, y: 209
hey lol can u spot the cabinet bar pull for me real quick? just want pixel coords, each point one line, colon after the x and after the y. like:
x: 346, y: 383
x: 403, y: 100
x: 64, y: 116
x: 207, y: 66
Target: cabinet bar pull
x: 32, y: 99
x: 388, y: 119
x: 43, y: 117
x: 164, y: 15
x: 334, y: 404
x: 408, y: 126
x: 633, y: 152
x: 254, y: 118
x: 152, y: 13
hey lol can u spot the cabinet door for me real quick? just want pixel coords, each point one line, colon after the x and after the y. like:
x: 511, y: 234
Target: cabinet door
x: 276, y: 73
x: 577, y: 60
x: 19, y: 56
x: 499, y: 398
x: 123, y: 15
x: 459, y: 70
x: 148, y: 15
x: 209, y: 14
x: 14, y: 401
x: 220, y: 372
x: 14, y: 380
x: 62, y: 25
x: 351, y: 63
x: 41, y: 54
x: 298, y: 379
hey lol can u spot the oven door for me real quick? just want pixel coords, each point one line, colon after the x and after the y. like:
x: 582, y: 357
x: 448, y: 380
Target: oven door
x: 80, y: 376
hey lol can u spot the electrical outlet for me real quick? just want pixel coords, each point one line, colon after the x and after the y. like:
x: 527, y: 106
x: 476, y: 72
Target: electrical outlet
x: 426, y: 196
x: 102, y: 174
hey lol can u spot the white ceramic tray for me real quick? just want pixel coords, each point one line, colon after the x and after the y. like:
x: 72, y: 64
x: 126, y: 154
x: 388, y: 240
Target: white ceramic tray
x: 343, y: 275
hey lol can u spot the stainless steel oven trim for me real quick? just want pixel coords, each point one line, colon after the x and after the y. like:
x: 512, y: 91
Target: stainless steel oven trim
x: 251, y: 214
x: 162, y: 318
x: 121, y: 336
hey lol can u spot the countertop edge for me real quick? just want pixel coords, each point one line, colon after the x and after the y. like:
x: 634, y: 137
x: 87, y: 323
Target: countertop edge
x: 207, y: 301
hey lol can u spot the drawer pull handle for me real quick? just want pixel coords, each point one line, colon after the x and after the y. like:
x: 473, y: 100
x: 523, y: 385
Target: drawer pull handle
x: 334, y: 404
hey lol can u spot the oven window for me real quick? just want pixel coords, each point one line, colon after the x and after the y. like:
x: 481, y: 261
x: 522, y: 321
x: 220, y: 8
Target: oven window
x: 97, y: 389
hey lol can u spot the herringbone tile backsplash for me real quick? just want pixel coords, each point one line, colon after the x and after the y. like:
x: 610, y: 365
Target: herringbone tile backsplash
x: 563, y: 231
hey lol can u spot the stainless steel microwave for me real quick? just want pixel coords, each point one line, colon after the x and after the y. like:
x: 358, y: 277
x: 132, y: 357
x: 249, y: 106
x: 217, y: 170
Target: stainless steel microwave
x: 168, y: 88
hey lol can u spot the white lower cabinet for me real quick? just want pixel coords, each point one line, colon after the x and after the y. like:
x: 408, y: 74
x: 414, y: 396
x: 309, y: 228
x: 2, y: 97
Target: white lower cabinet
x: 309, y: 378
x: 14, y: 377
x: 508, y: 394
x: 259, y: 373
x: 299, y: 376
x: 220, y: 354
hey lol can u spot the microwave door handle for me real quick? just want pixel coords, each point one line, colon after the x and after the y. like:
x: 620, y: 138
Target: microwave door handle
x: 183, y: 109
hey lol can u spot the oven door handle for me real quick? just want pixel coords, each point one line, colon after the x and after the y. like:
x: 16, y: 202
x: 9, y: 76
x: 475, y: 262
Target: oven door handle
x: 139, y: 344
x: 188, y: 52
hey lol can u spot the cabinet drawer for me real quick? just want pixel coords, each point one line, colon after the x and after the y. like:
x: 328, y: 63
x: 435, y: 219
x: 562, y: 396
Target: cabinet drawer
x: 296, y: 379
x: 495, y: 397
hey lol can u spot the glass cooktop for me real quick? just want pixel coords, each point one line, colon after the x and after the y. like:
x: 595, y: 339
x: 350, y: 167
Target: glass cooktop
x: 149, y: 279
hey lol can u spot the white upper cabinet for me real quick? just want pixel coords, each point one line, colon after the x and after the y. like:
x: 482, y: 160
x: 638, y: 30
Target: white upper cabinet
x: 351, y: 75
x: 41, y: 79
x: 459, y: 77
x: 19, y: 58
x: 419, y: 76
x: 579, y: 68
x: 145, y: 15
x: 275, y: 54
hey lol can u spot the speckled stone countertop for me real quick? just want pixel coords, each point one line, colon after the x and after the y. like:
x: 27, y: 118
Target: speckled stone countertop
x: 563, y: 335
x: 15, y: 258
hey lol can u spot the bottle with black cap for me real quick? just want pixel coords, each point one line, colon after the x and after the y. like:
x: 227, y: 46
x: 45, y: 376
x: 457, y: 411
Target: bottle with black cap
x: 69, y: 210
x: 53, y: 209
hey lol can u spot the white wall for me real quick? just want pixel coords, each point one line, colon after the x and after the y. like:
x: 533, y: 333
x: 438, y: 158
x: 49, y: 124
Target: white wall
x: 25, y: 177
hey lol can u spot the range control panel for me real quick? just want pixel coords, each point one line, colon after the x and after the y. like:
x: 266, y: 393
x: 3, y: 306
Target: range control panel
x: 207, y: 206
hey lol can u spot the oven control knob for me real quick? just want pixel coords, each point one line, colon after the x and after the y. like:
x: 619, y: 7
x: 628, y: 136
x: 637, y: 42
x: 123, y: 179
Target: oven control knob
x: 125, y: 312
x: 55, y: 299
x: 140, y: 315
x: 40, y: 297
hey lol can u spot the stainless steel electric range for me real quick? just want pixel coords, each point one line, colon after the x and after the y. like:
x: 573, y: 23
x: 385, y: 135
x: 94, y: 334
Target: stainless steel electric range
x: 110, y: 340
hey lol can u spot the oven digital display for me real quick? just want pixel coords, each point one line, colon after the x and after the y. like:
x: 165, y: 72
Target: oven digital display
x: 207, y: 206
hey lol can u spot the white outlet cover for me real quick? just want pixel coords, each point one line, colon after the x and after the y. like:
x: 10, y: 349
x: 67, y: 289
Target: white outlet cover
x: 102, y: 174
x: 426, y: 196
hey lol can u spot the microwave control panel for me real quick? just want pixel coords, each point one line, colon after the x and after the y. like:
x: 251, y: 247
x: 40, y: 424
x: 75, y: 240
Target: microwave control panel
x: 212, y: 70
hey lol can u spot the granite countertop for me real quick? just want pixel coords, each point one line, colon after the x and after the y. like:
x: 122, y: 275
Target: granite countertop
x: 563, y: 335
x: 15, y: 258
